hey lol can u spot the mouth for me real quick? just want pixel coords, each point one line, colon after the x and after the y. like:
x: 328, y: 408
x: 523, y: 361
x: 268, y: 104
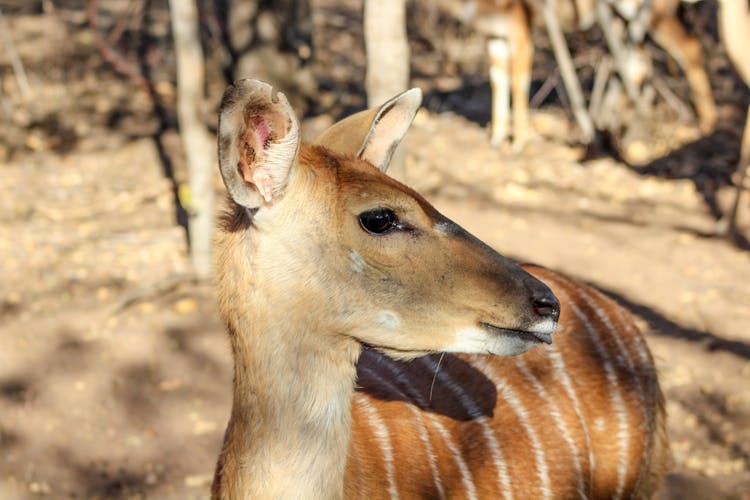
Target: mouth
x: 545, y: 337
x: 395, y: 352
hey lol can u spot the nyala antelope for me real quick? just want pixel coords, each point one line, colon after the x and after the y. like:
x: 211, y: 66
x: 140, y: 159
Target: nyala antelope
x: 337, y: 285
x: 508, y: 25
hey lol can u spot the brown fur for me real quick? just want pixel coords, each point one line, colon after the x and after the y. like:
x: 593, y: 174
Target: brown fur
x: 303, y: 287
x: 399, y: 409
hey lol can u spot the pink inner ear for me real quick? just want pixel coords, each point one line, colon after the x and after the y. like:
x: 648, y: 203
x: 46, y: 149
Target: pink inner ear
x: 262, y: 129
x: 252, y: 154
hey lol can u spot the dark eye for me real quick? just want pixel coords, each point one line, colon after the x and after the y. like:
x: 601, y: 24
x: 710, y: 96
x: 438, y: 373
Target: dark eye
x: 378, y: 221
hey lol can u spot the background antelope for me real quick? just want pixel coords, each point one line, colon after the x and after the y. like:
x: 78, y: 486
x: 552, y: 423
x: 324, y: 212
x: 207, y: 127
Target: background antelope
x: 508, y: 25
x: 734, y: 26
x: 332, y: 276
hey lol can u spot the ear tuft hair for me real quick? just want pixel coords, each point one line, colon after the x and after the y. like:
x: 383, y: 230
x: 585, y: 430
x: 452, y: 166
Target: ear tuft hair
x: 258, y: 142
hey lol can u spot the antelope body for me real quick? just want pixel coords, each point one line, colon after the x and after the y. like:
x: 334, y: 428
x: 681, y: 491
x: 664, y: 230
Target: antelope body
x: 508, y: 23
x: 338, y: 283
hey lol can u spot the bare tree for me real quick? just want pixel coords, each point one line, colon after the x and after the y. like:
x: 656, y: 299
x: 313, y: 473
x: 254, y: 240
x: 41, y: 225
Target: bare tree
x: 195, y: 139
x: 387, y: 50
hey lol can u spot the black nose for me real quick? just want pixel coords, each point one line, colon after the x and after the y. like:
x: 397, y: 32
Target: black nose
x: 546, y: 304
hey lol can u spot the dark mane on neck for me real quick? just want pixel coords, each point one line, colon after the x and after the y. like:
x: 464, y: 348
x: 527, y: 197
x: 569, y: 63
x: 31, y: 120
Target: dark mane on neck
x: 234, y: 217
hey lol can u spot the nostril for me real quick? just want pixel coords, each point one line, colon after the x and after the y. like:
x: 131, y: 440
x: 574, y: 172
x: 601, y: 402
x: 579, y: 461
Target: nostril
x: 547, y: 305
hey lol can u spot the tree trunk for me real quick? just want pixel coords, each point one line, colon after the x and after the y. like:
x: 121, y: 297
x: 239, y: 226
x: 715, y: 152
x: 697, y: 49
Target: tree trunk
x: 199, y: 149
x: 387, y: 51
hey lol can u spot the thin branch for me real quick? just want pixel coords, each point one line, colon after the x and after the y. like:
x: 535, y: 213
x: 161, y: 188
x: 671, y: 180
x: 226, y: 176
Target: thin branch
x: 601, y: 77
x: 549, y: 84
x: 682, y: 110
x: 613, y: 30
x: 119, y: 28
x: 152, y: 290
x: 567, y: 70
x: 15, y: 59
x: 108, y: 52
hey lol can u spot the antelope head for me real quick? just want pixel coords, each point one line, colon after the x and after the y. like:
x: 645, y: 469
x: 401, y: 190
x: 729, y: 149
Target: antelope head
x: 319, y: 234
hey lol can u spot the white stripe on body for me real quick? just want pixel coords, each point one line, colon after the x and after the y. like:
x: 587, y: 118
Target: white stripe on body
x: 559, y: 364
x: 412, y: 393
x: 559, y: 423
x: 623, y: 433
x: 623, y: 349
x: 625, y: 355
x: 423, y: 435
x: 384, y: 440
x: 646, y: 361
x: 487, y: 431
x: 510, y: 396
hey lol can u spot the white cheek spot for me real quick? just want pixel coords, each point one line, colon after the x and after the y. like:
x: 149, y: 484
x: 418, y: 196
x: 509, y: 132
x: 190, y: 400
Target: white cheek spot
x: 388, y: 319
x: 358, y: 263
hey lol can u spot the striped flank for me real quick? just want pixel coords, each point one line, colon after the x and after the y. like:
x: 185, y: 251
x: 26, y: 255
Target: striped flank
x: 580, y: 418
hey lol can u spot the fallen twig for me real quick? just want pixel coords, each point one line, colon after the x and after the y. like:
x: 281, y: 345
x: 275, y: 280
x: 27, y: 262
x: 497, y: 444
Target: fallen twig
x: 152, y: 290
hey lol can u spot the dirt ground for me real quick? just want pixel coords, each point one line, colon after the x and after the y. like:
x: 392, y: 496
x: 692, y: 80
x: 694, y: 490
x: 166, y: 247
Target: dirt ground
x: 115, y: 370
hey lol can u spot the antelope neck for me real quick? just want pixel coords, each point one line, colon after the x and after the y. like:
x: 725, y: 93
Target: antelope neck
x: 291, y: 415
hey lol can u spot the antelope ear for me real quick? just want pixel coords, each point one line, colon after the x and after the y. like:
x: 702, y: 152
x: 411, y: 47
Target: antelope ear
x: 258, y: 142
x: 373, y: 134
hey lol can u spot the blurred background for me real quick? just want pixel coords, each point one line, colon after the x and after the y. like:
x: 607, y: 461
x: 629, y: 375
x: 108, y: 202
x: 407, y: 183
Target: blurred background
x: 115, y: 372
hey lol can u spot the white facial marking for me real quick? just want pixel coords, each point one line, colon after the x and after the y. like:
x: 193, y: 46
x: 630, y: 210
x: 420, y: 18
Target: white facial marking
x: 358, y: 263
x: 546, y: 326
x: 480, y: 341
x: 388, y: 319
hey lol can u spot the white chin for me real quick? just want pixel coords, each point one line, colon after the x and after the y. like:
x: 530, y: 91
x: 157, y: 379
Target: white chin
x: 510, y: 346
x: 479, y: 341
x: 545, y: 326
